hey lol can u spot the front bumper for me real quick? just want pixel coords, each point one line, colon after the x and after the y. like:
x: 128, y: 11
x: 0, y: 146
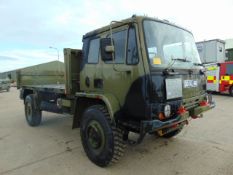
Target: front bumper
x: 148, y: 126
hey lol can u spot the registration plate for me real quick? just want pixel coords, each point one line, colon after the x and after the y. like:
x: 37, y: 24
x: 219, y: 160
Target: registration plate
x: 190, y: 83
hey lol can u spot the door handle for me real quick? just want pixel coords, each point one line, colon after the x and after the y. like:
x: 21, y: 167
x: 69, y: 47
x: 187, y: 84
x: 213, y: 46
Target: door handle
x: 128, y: 72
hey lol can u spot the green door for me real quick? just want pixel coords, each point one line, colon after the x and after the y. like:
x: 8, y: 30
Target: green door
x: 92, y: 69
x: 119, y: 75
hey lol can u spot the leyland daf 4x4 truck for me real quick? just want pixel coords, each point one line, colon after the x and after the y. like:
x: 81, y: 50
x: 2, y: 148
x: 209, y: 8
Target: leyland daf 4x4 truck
x: 5, y: 85
x: 140, y: 75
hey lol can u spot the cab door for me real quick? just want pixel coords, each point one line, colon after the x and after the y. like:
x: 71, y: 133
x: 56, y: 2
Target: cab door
x: 121, y: 73
x: 91, y: 80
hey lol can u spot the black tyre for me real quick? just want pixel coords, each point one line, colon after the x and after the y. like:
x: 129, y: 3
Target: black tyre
x: 102, y: 141
x: 231, y: 91
x: 32, y: 114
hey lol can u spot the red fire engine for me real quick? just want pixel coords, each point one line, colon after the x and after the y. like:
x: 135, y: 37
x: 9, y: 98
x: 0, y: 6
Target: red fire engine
x: 220, y: 77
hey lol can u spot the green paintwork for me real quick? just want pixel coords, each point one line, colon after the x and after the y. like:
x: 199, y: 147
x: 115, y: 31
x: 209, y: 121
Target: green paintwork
x: 189, y: 93
x: 72, y: 58
x: 66, y: 103
x: 200, y: 109
x: 42, y: 74
x: 110, y: 100
x: 117, y: 77
x: 190, y: 102
x: 117, y: 81
x: 184, y: 116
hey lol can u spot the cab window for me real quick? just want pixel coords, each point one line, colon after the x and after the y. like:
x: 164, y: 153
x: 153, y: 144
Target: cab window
x: 132, y: 52
x: 119, y: 41
x: 93, y: 53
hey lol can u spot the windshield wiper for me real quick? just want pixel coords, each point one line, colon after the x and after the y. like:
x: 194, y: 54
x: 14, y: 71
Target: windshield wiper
x: 181, y: 59
x: 198, y: 64
x: 169, y: 71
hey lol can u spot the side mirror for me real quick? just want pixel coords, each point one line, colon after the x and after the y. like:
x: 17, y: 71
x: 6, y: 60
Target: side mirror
x: 107, y: 49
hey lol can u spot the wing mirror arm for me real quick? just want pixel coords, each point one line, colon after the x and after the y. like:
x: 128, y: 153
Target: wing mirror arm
x: 107, y: 49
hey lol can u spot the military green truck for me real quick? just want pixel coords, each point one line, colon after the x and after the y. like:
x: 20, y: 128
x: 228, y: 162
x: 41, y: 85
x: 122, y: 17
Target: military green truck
x: 140, y: 75
x: 5, y: 85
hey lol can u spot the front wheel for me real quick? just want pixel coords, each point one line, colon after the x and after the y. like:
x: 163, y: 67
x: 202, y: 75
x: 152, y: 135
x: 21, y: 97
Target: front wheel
x: 101, y: 140
x: 32, y: 113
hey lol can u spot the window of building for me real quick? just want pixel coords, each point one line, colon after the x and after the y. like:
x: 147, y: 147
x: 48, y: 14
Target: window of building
x: 220, y: 49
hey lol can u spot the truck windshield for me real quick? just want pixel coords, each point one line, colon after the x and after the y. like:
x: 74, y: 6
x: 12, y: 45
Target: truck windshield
x: 167, y: 44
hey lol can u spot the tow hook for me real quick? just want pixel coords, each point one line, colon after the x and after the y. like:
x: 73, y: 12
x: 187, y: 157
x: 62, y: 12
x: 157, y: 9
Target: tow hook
x: 197, y: 116
x: 174, y: 127
x: 138, y: 141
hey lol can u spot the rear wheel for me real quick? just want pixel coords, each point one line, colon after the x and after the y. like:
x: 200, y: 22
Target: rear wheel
x: 32, y: 114
x: 102, y: 141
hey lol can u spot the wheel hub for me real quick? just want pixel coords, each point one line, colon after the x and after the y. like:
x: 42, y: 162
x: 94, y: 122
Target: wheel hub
x: 95, y: 135
x: 29, y: 111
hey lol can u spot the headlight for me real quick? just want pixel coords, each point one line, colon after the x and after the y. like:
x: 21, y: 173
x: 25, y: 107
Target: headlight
x: 167, y: 111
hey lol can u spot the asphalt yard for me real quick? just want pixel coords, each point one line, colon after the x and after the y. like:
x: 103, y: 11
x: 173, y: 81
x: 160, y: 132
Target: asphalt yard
x: 205, y: 146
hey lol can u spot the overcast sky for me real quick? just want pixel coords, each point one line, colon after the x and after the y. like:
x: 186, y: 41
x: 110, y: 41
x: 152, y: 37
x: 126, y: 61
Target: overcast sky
x: 29, y: 27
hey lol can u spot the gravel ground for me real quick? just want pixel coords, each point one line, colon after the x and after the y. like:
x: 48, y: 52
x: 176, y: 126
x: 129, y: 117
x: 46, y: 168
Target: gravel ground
x: 205, y: 146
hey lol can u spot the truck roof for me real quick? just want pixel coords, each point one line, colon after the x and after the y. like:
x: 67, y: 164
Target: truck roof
x: 205, y: 41
x: 134, y: 18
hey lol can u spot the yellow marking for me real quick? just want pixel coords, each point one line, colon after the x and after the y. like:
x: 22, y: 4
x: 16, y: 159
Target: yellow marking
x: 210, y: 77
x: 215, y: 81
x: 156, y: 60
x: 225, y: 78
x: 212, y: 68
x: 231, y: 82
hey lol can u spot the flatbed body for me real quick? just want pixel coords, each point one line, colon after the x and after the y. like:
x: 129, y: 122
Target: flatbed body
x: 55, y: 83
x: 53, y: 88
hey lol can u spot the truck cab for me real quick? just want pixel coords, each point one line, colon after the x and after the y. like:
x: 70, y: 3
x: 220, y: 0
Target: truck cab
x: 148, y: 77
x: 151, y: 68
